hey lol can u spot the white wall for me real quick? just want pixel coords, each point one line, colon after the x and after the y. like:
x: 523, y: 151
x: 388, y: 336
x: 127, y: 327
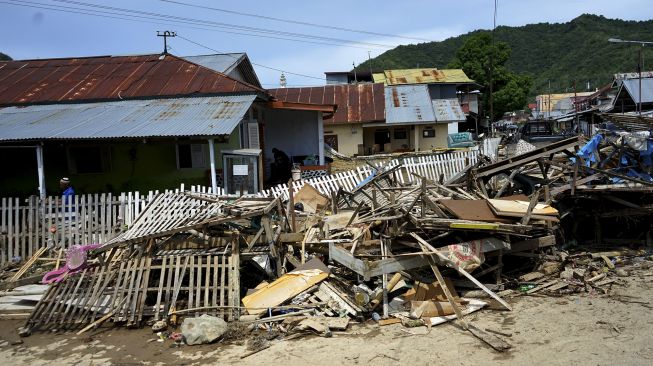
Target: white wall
x: 349, y: 136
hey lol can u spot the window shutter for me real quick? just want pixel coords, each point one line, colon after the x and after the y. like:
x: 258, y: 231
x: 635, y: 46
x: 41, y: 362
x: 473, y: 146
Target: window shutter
x: 197, y: 155
x: 252, y: 133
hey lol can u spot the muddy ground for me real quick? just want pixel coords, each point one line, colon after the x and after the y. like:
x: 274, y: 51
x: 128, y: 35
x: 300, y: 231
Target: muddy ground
x: 580, y: 329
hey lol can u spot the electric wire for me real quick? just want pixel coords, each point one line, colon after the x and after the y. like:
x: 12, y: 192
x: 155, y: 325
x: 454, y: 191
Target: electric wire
x: 344, y: 29
x: 224, y: 25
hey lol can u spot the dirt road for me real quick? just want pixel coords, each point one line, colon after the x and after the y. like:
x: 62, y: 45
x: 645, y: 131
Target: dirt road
x: 579, y: 330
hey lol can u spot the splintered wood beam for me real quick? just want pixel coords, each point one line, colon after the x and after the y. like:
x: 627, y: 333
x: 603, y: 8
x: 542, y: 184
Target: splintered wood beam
x: 291, y: 206
x: 508, y: 181
x: 445, y: 289
x: 531, y: 207
x: 519, y: 160
x: 453, y: 265
x: 493, y: 341
x: 575, y: 178
x: 618, y: 175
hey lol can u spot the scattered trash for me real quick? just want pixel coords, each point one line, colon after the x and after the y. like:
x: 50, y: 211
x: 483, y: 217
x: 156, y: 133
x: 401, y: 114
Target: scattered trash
x: 416, y: 254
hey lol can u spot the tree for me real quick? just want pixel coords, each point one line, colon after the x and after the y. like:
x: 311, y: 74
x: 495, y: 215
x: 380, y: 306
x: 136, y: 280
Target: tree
x: 475, y: 57
x: 4, y: 57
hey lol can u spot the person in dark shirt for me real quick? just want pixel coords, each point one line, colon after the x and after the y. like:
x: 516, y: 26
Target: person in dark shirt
x: 280, y: 167
x: 67, y: 191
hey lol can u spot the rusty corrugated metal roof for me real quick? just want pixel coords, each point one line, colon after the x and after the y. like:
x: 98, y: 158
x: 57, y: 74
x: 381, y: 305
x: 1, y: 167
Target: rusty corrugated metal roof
x: 110, y: 78
x: 408, y: 104
x: 357, y: 103
x: 422, y: 76
x: 200, y: 116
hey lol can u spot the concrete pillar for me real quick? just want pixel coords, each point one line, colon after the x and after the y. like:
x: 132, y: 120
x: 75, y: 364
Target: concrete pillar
x: 320, y: 137
x: 41, y: 171
x: 214, y: 183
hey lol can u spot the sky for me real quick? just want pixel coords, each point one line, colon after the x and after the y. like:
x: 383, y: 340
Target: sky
x: 31, y: 29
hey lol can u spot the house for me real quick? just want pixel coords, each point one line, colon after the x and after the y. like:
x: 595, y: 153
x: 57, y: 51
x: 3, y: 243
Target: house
x: 556, y: 104
x: 402, y: 110
x: 628, y: 86
x: 123, y: 123
x: 349, y: 77
x: 358, y: 105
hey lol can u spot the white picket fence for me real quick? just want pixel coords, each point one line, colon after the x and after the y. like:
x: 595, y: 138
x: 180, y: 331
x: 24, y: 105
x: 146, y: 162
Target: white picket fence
x: 28, y: 224
x: 429, y: 166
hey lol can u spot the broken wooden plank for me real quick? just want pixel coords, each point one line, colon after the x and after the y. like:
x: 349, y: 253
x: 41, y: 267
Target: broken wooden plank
x: 493, y: 341
x: 462, y: 271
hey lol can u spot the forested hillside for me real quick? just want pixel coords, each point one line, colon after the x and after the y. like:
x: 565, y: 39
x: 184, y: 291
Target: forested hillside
x: 560, y: 53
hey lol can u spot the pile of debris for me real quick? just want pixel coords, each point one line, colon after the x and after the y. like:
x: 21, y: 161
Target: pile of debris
x: 416, y: 254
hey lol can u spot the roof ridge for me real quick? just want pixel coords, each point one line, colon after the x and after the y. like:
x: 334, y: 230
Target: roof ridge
x: 220, y: 73
x: 81, y: 57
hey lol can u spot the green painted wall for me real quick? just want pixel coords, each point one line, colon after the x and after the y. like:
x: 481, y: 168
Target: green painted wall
x: 134, y: 166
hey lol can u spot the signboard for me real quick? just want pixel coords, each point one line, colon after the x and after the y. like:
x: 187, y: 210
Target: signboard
x: 240, y: 170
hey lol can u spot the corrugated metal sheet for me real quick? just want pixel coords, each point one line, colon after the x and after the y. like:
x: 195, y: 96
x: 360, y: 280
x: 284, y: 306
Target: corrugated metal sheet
x: 109, y: 78
x: 201, y: 116
x: 448, y: 110
x: 356, y: 103
x: 408, y: 104
x: 222, y: 62
x: 226, y: 63
x: 422, y: 76
x: 632, y: 86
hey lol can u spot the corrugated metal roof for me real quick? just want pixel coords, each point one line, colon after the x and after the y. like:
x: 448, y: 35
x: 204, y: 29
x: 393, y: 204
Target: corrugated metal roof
x: 422, y: 76
x: 357, y: 103
x: 221, y: 62
x: 408, y: 104
x: 448, y: 110
x: 226, y: 63
x: 201, y: 116
x: 632, y: 86
x: 110, y: 78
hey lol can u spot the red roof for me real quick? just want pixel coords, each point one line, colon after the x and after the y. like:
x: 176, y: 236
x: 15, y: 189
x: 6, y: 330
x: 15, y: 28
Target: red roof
x: 110, y: 77
x: 356, y: 103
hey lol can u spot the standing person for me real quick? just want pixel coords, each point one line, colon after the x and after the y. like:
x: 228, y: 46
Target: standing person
x: 281, y: 166
x: 67, y: 191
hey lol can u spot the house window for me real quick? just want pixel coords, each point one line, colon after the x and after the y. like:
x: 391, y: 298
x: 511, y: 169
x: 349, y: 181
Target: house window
x: 191, y: 156
x: 400, y: 134
x: 89, y: 159
x: 428, y: 132
x: 331, y: 140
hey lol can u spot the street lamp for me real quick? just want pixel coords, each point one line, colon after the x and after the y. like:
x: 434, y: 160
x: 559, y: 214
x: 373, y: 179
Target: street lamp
x: 639, y: 66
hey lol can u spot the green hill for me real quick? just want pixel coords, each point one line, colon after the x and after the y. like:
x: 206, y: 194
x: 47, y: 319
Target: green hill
x: 559, y: 52
x: 4, y: 57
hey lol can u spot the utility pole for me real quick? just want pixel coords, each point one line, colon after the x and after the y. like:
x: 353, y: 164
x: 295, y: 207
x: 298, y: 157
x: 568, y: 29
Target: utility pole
x: 494, y: 25
x: 165, y: 35
x: 639, y: 66
x: 576, y: 107
x: 548, y: 104
x: 369, y: 61
x: 355, y: 76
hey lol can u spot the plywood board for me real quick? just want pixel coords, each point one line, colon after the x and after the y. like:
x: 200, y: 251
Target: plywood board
x: 311, y: 198
x: 520, y: 207
x: 284, y: 288
x: 475, y: 210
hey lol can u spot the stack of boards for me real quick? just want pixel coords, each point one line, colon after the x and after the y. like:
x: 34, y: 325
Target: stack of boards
x: 19, y: 302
